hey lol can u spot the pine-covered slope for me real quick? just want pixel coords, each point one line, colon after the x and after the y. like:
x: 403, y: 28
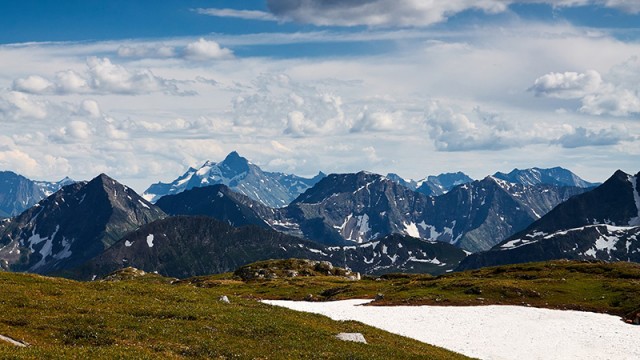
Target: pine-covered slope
x: 73, y: 225
x: 599, y: 224
x: 18, y: 193
x: 272, y: 189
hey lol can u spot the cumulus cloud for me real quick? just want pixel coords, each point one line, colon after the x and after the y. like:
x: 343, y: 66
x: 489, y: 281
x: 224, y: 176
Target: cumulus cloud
x: 613, y: 101
x: 101, y: 76
x: 568, y: 85
x: 395, y: 12
x: 597, y: 96
x: 375, y: 121
x: 33, y: 84
x: 580, y: 136
x: 17, y: 105
x: 203, y: 50
x: 277, y: 102
x: 454, y: 130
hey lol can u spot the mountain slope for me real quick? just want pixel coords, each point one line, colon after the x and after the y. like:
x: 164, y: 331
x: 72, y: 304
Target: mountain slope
x: 272, y: 189
x: 217, y: 201
x: 362, y: 207
x: 398, y: 253
x: 553, y: 176
x: 185, y: 246
x: 433, y: 185
x: 17, y: 193
x: 73, y: 225
x: 606, y: 218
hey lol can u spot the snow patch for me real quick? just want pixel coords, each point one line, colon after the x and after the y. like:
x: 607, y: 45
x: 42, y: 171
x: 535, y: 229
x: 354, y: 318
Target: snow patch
x: 482, y: 331
x: 411, y: 229
x: 150, y: 240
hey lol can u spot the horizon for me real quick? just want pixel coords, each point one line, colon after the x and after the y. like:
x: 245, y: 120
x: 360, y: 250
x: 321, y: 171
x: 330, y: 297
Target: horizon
x: 383, y: 174
x: 144, y: 90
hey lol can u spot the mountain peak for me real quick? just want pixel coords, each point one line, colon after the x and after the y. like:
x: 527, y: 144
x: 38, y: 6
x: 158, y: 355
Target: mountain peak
x: 235, y: 163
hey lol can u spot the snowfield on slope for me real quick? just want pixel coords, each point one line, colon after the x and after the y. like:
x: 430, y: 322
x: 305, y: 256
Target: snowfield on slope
x: 493, y: 332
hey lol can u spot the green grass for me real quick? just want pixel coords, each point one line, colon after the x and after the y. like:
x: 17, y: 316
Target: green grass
x: 148, y: 318
x: 588, y: 286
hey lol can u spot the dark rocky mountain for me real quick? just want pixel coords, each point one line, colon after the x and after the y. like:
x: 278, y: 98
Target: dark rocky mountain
x: 599, y: 224
x: 272, y: 189
x: 554, y: 176
x: 18, y: 193
x: 593, y: 242
x: 433, y: 185
x: 362, y: 207
x: 185, y: 246
x: 398, y: 253
x: 73, y: 225
x: 219, y: 202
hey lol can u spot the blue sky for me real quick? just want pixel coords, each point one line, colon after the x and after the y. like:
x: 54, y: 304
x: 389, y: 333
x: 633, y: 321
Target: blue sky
x: 143, y: 89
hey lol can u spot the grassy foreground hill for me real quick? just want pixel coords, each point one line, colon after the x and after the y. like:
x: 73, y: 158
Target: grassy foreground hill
x: 147, y: 316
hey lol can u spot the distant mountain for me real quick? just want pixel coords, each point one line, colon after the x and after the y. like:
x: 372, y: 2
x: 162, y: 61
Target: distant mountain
x: 217, y: 201
x: 236, y: 172
x: 186, y: 246
x: 73, y: 225
x: 554, y: 176
x: 362, y: 207
x: 478, y: 215
x: 398, y: 253
x: 599, y: 224
x: 18, y: 193
x: 433, y: 185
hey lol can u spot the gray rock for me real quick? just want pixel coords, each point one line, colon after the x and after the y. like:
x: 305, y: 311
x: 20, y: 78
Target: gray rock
x: 355, y: 337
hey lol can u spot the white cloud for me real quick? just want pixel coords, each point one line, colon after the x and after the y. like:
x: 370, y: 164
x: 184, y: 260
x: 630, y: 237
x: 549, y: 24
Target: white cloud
x: 278, y: 103
x: 581, y: 136
x: 102, y: 77
x: 375, y: 121
x: 16, y: 105
x: 612, y: 101
x: 89, y: 108
x: 453, y: 130
x: 203, y: 50
x: 32, y: 84
x: 405, y: 12
x: 597, y: 96
x: 568, y: 85
x: 146, y: 51
x: 238, y: 14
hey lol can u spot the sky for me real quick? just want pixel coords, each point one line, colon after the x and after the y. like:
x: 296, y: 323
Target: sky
x: 141, y: 90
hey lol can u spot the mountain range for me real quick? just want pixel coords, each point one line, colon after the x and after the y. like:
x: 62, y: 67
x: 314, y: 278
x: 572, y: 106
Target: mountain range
x: 72, y: 226
x: 17, y: 193
x: 602, y: 224
x: 271, y: 188
x: 216, y: 218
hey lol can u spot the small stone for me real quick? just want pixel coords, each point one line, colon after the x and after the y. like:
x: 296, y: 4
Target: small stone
x: 355, y: 337
x: 309, y: 297
x: 379, y: 297
x: 224, y: 299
